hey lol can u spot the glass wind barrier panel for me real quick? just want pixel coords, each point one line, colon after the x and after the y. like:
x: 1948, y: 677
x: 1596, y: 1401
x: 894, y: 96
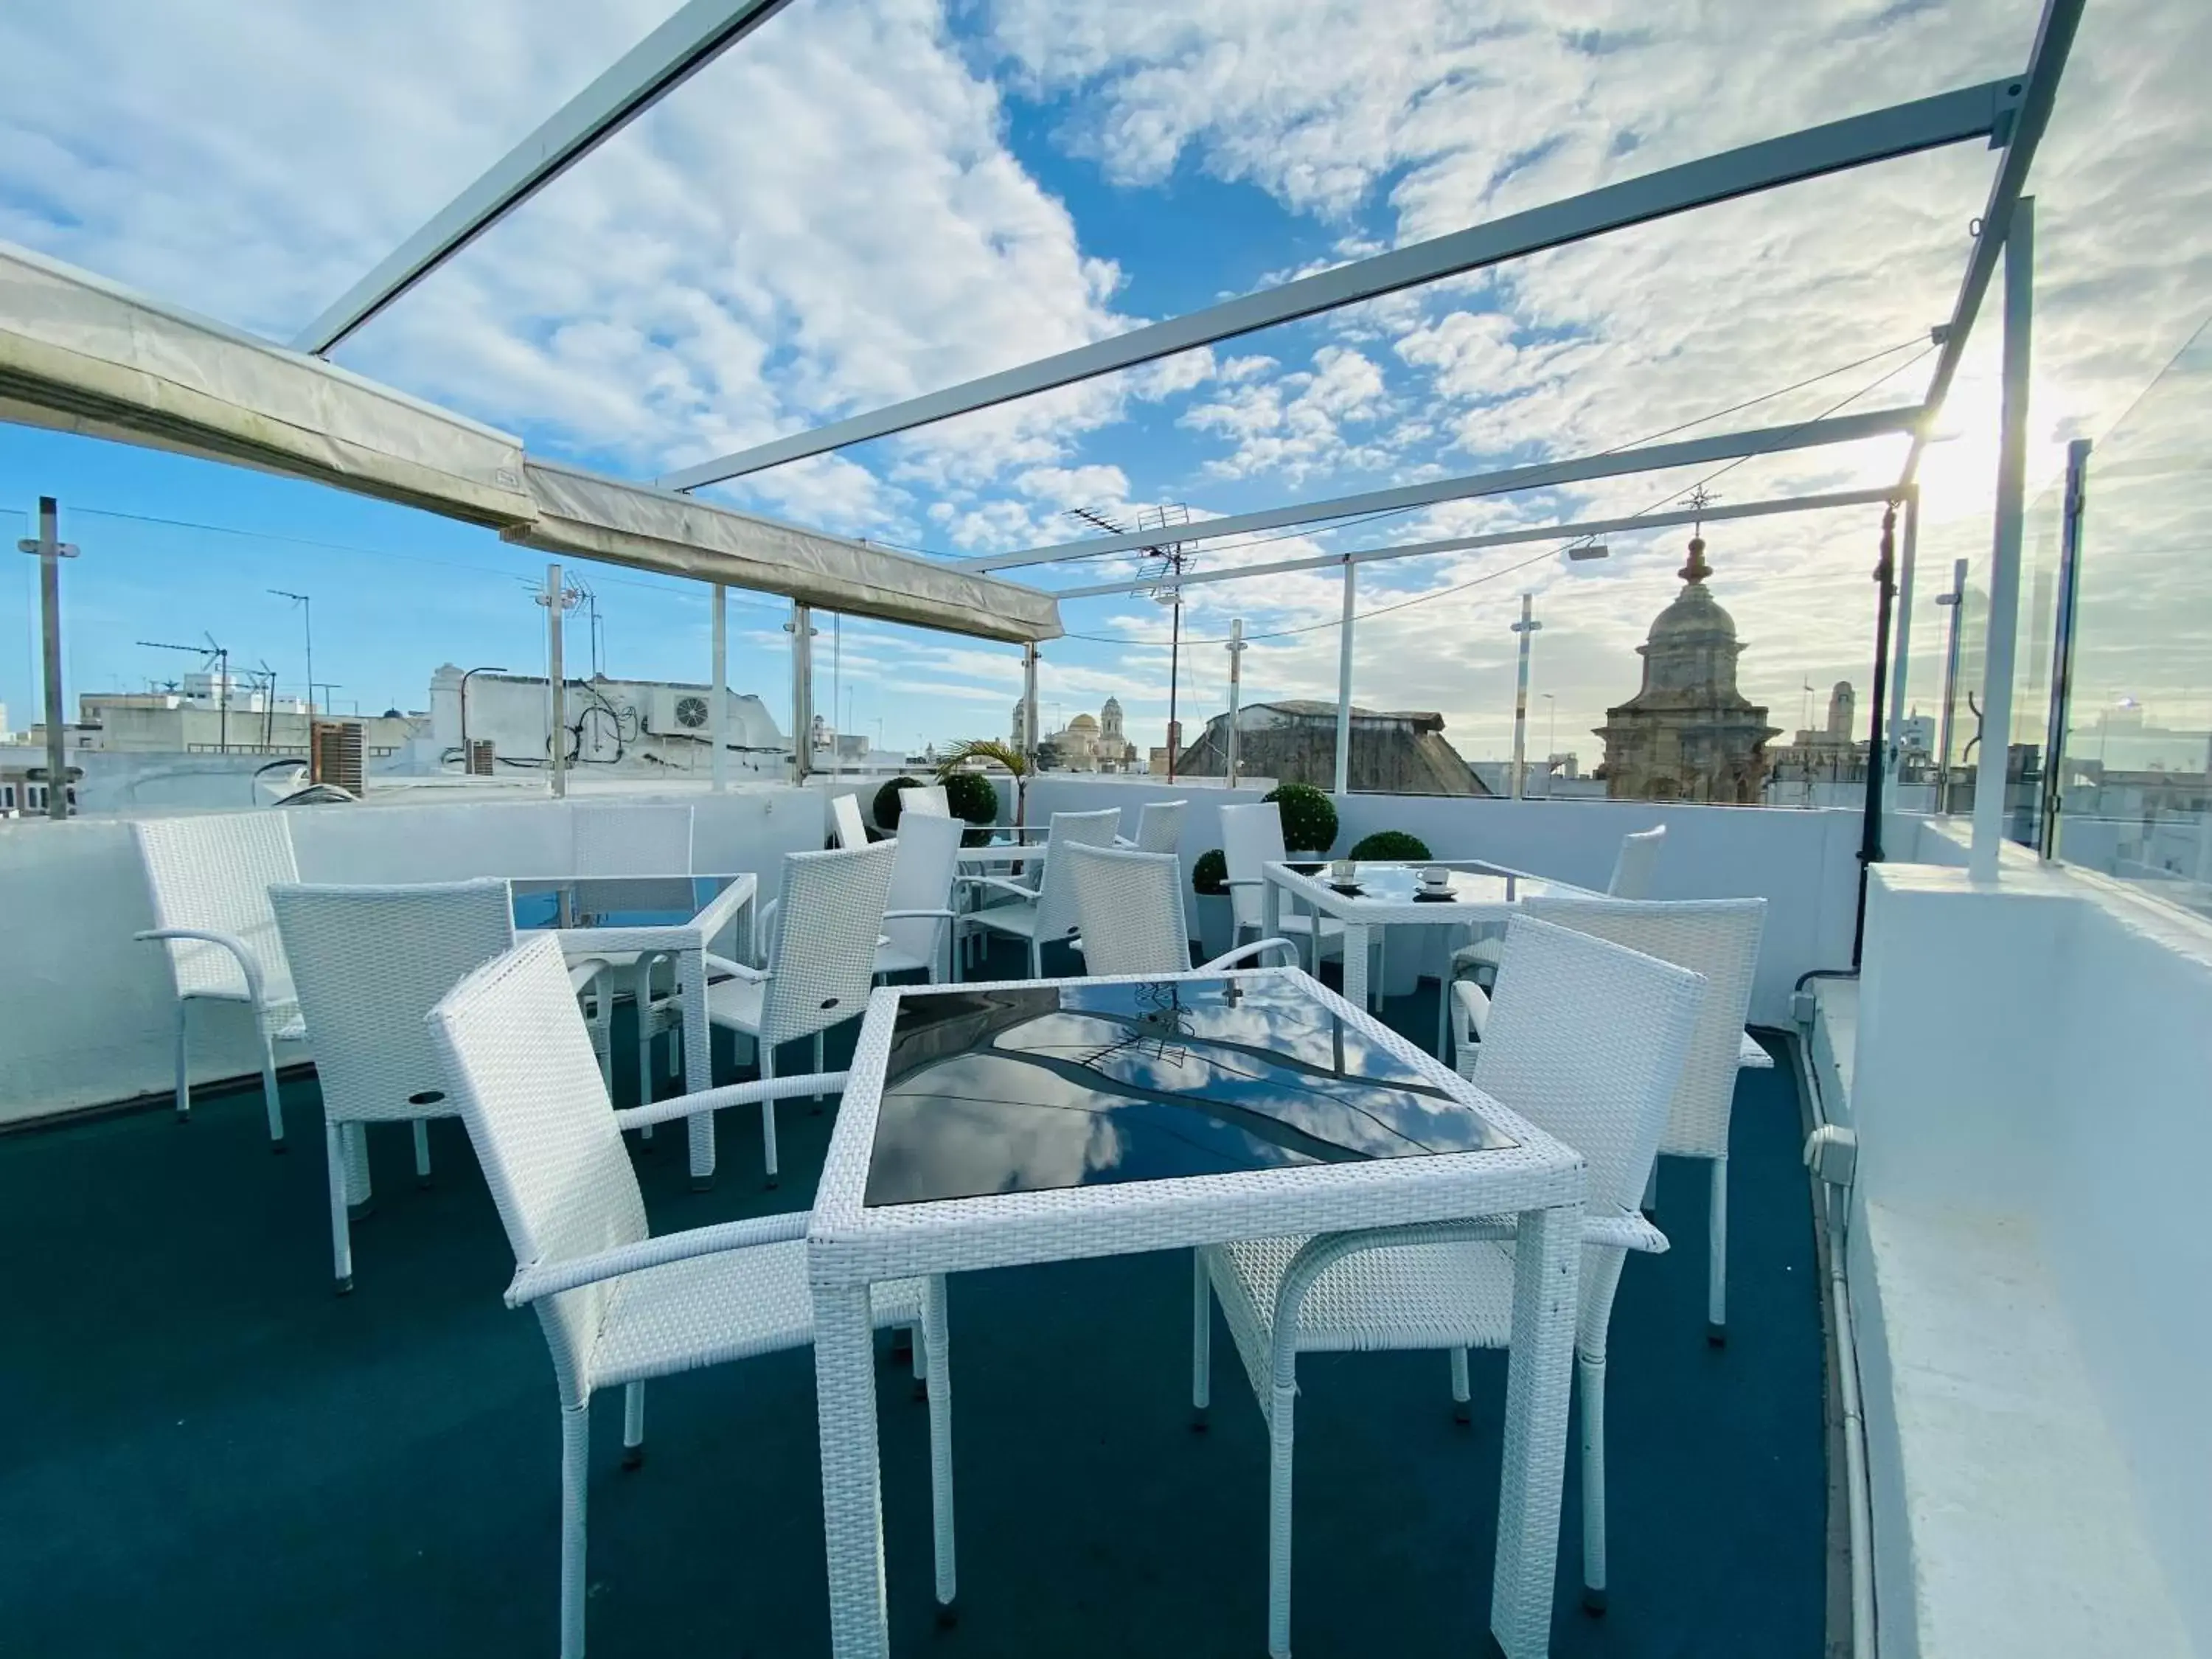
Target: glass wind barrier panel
x: 2133, y: 796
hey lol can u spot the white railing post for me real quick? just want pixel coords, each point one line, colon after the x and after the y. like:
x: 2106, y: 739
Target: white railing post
x: 1901, y: 655
x: 1344, y: 683
x: 555, y: 600
x: 1525, y: 627
x: 801, y: 628
x: 2004, y: 553
x: 718, y: 706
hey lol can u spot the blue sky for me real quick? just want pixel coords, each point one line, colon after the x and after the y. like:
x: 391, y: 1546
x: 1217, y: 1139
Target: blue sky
x: 862, y: 202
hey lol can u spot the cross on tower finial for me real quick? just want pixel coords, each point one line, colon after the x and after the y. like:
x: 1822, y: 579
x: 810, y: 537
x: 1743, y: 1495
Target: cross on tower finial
x: 1696, y: 570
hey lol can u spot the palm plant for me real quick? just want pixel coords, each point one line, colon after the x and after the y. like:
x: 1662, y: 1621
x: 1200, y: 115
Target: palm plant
x: 995, y: 752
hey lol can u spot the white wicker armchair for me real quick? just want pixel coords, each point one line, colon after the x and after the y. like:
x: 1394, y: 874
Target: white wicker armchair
x: 1037, y: 916
x: 1159, y: 827
x: 917, y: 934
x: 821, y: 962
x: 1587, y: 1040
x: 1129, y: 907
x: 1252, y: 837
x: 209, y: 879
x: 617, y: 1305
x: 846, y: 825
x: 1635, y: 867
x: 1719, y: 938
x: 370, y: 962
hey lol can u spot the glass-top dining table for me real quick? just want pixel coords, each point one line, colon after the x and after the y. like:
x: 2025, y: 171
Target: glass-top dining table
x: 998, y: 1125
x: 634, y: 921
x: 1473, y: 894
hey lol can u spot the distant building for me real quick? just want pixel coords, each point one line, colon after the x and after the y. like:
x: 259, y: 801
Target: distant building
x: 1828, y: 755
x: 1087, y: 744
x: 1401, y: 753
x: 656, y: 727
x: 1688, y: 734
x: 218, y: 714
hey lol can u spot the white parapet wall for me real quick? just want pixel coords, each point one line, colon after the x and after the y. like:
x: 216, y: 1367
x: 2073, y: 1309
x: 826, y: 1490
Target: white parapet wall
x: 2028, y: 1264
x: 86, y: 1014
x: 1803, y: 863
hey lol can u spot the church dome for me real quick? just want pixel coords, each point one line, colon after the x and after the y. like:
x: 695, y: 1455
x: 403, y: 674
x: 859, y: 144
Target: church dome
x: 1083, y: 723
x: 1694, y: 616
x: 1113, y: 706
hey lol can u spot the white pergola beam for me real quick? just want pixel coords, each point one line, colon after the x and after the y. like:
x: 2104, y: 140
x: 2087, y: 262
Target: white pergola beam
x: 1542, y: 475
x: 1544, y: 532
x: 2034, y: 94
x: 1948, y: 117
x: 698, y: 33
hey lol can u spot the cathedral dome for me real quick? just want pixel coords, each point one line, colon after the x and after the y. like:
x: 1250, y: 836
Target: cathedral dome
x: 1695, y: 614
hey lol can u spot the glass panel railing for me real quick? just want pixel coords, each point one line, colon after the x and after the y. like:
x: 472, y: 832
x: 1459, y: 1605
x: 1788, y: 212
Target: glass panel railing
x: 2132, y: 799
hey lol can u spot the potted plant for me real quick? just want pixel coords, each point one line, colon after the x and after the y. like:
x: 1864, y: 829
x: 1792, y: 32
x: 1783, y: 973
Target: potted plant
x: 887, y: 803
x: 972, y: 796
x: 1390, y: 847
x: 1309, y: 819
x: 992, y: 752
x: 1217, y: 924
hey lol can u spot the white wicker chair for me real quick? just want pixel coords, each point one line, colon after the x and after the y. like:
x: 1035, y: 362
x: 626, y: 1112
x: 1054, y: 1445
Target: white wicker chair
x: 1634, y: 868
x: 929, y: 797
x: 1040, y: 915
x: 370, y: 962
x: 1719, y: 938
x: 637, y: 840
x: 618, y: 1306
x: 918, y: 925
x: 1129, y: 907
x: 1159, y: 827
x: 1252, y: 836
x: 821, y: 961
x: 846, y: 824
x: 1587, y: 1040
x: 209, y: 880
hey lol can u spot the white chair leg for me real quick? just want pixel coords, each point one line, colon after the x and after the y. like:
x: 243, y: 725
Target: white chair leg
x: 633, y: 1424
x: 1591, y: 1375
x: 1036, y: 959
x: 937, y: 1344
x: 422, y: 1153
x: 269, y: 1096
x: 817, y: 1068
x: 1462, y: 1396
x: 768, y: 1110
x: 1202, y: 1342
x: 1717, y: 1268
x: 355, y: 1138
x: 917, y: 1353
x: 184, y: 1065
x: 575, y: 1469
x: 334, y: 1153
x: 644, y: 994
x: 1280, y: 1427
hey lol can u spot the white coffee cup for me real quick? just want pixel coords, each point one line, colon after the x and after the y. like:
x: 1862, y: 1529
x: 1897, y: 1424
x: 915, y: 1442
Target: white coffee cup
x: 1343, y: 872
x: 1435, y: 875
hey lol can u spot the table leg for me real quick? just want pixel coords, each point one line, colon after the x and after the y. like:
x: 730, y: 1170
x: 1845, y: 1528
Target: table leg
x: 1271, y: 911
x: 1355, y: 960
x: 698, y: 1060
x: 1546, y: 1267
x: 851, y: 1480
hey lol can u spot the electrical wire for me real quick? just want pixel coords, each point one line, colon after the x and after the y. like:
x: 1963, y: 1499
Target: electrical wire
x: 1553, y: 551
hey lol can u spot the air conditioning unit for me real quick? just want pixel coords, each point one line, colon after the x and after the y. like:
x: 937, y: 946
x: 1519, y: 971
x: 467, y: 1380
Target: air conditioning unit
x: 482, y: 757
x: 681, y: 711
x: 336, y: 755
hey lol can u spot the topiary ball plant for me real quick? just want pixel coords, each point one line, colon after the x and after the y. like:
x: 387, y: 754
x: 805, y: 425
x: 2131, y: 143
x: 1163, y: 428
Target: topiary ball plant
x: 1390, y: 847
x: 1308, y: 817
x: 1209, y: 877
x: 887, y: 802
x: 971, y: 796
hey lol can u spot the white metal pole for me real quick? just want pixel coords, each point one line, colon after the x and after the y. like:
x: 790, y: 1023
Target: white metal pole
x: 557, y: 719
x: 1526, y: 627
x: 1903, y: 639
x: 2004, y: 552
x: 718, y: 699
x: 1954, y: 602
x: 1236, y: 685
x: 1030, y: 704
x: 51, y: 551
x: 802, y: 691
x: 1343, y: 683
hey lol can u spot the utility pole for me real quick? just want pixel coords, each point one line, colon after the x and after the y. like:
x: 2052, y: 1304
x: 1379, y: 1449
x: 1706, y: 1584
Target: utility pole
x: 558, y: 601
x: 51, y: 551
x: 307, y: 624
x: 1236, y: 684
x: 1527, y: 626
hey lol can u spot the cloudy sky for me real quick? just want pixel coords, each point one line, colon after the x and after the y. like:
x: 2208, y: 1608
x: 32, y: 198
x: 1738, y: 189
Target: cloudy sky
x: 866, y: 201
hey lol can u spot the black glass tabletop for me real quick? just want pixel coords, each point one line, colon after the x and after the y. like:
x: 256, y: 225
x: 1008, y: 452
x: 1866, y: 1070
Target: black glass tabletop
x: 615, y: 900
x: 1037, y: 1087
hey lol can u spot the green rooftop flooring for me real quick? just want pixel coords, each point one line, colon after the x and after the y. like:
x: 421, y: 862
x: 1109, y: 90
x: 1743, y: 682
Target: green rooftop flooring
x: 208, y: 1454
